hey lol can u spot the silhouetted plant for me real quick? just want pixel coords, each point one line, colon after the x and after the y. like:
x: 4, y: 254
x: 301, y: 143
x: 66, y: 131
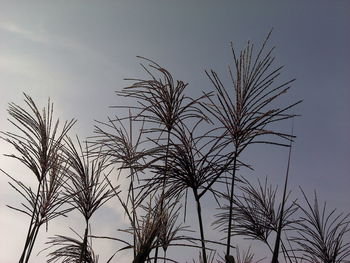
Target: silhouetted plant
x: 115, y: 142
x: 321, y: 234
x: 87, y: 191
x: 171, y: 229
x: 283, y: 211
x: 161, y: 101
x: 40, y: 149
x: 69, y: 250
x: 247, y: 113
x: 256, y: 214
x: 162, y: 104
x: 192, y: 163
x: 118, y: 145
x: 156, y: 226
x: 181, y: 144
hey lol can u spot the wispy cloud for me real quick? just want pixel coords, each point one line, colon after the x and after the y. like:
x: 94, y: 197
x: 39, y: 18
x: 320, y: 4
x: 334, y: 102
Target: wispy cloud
x: 30, y: 35
x: 41, y: 36
x: 44, y: 37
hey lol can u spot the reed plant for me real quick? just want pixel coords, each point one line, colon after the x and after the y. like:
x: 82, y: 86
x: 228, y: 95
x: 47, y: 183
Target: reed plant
x: 246, y: 112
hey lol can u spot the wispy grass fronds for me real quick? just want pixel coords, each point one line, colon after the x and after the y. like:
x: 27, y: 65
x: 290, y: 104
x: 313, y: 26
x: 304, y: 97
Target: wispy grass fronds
x: 88, y: 186
x: 51, y: 198
x: 256, y: 212
x: 253, y: 212
x: 87, y: 190
x: 246, y: 112
x: 322, y: 233
x: 115, y: 141
x: 156, y: 225
x: 170, y: 228
x: 162, y: 105
x: 68, y: 250
x: 150, y: 226
x: 191, y: 164
x: 161, y: 100
x: 40, y: 140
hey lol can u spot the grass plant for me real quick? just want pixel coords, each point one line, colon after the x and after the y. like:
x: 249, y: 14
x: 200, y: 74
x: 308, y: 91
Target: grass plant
x: 162, y: 146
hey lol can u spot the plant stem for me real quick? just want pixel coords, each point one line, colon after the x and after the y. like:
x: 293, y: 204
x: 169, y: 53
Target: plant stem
x: 279, y: 230
x: 228, y: 245
x: 133, y: 209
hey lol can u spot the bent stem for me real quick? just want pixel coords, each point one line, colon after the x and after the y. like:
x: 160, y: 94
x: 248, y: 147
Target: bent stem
x: 279, y: 230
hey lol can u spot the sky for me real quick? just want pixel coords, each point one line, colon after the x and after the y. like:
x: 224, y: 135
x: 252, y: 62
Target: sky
x: 78, y: 53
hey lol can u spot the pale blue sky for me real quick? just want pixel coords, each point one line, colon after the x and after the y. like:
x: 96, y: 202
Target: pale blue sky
x: 79, y: 52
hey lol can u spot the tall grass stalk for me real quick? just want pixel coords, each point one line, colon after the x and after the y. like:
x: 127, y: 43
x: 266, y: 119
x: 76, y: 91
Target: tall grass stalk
x: 246, y: 114
x: 284, y: 199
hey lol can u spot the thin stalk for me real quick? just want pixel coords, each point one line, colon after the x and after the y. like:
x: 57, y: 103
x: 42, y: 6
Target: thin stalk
x: 279, y: 230
x: 228, y: 245
x: 133, y: 209
x: 199, y: 213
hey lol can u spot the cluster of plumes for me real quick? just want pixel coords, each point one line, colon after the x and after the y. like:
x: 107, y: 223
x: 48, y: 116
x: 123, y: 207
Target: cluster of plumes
x: 39, y: 146
x: 67, y: 179
x: 70, y: 250
x: 167, y: 146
